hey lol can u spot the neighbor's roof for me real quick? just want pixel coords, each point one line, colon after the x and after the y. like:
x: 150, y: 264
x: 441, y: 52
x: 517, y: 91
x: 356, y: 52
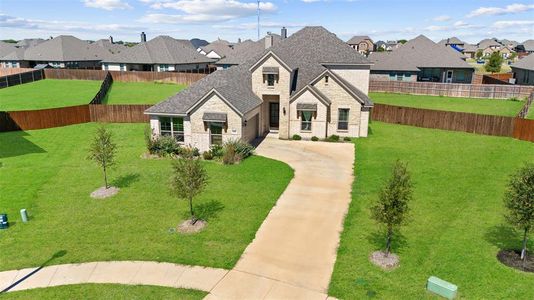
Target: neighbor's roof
x: 452, y: 40
x: 26, y: 43
x: 64, y: 48
x: 470, y: 48
x: 528, y: 45
x: 160, y: 50
x: 246, y: 50
x: 526, y: 63
x: 417, y: 53
x: 221, y: 47
x: 17, y: 54
x: 485, y: 43
x: 357, y: 39
x: 6, y: 48
x: 111, y: 47
x: 305, y: 52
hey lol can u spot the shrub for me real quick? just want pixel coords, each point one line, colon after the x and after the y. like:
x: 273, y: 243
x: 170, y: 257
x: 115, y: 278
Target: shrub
x: 314, y: 138
x: 207, y: 155
x: 347, y: 139
x: 333, y: 138
x: 242, y: 148
x: 190, y: 152
x: 296, y: 137
x: 217, y: 150
x: 163, y: 146
x: 230, y: 156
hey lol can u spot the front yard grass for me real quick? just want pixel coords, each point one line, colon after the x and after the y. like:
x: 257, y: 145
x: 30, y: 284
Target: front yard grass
x: 457, y: 225
x: 105, y: 291
x: 141, y: 92
x: 48, y: 93
x: 45, y: 171
x: 496, y: 107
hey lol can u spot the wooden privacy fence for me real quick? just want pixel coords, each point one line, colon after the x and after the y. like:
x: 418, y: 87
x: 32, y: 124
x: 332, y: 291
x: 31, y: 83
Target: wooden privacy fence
x: 103, y: 91
x: 456, y: 121
x: 124, y: 76
x: 494, y: 91
x: 20, y: 78
x: 526, y: 107
x: 63, y: 116
x: 10, y: 71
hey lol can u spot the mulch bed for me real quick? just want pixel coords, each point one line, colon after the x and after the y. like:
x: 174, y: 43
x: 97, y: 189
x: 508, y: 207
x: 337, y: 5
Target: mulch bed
x: 380, y: 259
x: 102, y: 192
x: 512, y: 258
x: 187, y: 226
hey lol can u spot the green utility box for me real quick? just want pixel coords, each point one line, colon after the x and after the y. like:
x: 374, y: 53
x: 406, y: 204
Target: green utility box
x: 441, y: 287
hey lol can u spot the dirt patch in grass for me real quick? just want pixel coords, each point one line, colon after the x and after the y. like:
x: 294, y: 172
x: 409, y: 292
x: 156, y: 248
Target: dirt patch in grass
x: 188, y: 226
x: 380, y: 259
x: 512, y: 258
x: 102, y: 192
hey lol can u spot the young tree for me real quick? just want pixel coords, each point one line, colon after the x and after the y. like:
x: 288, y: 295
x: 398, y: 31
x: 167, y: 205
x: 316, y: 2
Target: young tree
x: 102, y: 151
x: 189, y: 179
x: 479, y: 54
x: 519, y: 202
x: 494, y: 63
x: 391, y: 209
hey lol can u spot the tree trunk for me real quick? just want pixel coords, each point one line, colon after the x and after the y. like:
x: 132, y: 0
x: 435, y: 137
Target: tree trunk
x: 193, y: 221
x: 388, y: 241
x: 105, y: 178
x: 524, y: 250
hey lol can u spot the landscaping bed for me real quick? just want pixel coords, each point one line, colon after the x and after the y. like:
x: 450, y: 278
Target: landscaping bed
x: 456, y: 227
x: 105, y: 291
x: 46, y: 172
x: 496, y: 107
x: 140, y: 92
x: 48, y: 93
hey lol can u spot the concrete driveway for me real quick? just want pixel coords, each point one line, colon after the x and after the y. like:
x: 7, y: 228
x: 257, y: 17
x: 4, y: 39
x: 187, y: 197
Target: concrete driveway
x: 294, y: 251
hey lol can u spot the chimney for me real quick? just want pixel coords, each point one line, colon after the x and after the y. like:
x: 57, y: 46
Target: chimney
x: 268, y: 41
x: 283, y: 33
x: 239, y: 40
x: 143, y: 37
x: 111, y: 39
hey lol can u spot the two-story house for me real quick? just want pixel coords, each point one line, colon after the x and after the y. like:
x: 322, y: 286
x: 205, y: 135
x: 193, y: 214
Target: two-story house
x: 362, y: 43
x: 310, y: 84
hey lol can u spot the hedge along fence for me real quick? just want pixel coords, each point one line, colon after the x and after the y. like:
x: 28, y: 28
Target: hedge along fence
x: 492, y: 91
x: 63, y: 116
x: 124, y: 76
x: 103, y: 91
x: 21, y: 78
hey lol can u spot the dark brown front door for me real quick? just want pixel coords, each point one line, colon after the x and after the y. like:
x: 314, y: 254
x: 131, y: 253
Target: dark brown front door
x: 274, y: 114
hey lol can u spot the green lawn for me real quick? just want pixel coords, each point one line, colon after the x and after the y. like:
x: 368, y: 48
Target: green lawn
x: 141, y: 92
x: 531, y: 113
x: 45, y: 171
x: 105, y: 291
x: 48, y: 93
x: 471, y: 105
x: 457, y: 224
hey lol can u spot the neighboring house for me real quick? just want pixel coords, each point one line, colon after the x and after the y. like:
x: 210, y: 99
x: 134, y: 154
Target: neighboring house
x: 421, y: 59
x: 310, y: 84
x: 160, y: 54
x: 387, y: 46
x: 508, y: 43
x: 246, y: 50
x: 487, y: 45
x: 454, y: 43
x: 526, y: 47
x: 524, y: 70
x: 27, y: 43
x: 362, y: 44
x: 504, y: 52
x: 15, y: 59
x: 380, y: 45
x: 64, y: 51
x: 217, y: 49
x: 470, y: 51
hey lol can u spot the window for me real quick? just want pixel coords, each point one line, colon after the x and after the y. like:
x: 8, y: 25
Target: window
x: 163, y: 68
x: 172, y: 127
x: 271, y: 78
x: 216, y: 133
x: 106, y: 67
x: 343, y: 119
x: 460, y: 76
x: 400, y: 77
x: 122, y: 67
x: 306, y: 120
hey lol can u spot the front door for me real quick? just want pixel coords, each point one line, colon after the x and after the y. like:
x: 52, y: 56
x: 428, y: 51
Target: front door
x: 274, y: 114
x: 448, y: 78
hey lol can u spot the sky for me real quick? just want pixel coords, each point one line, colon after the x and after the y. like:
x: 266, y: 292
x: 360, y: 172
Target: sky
x: 470, y: 20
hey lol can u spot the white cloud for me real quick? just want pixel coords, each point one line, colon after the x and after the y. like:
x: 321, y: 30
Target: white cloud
x: 205, y: 11
x: 107, y: 4
x: 443, y: 18
x: 252, y: 25
x: 458, y: 25
x: 509, y: 9
x: 310, y: 1
x: 52, y: 26
x: 515, y: 24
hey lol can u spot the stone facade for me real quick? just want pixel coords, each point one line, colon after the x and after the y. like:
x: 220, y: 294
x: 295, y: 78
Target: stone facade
x: 319, y: 118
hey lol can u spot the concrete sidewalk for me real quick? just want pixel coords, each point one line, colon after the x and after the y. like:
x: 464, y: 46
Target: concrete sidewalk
x: 119, y: 272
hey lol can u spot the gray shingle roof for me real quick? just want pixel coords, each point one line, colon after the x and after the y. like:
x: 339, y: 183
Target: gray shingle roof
x: 160, y: 50
x: 452, y: 40
x: 485, y: 43
x: 6, y: 48
x: 528, y: 45
x: 417, y: 53
x: 246, y: 50
x: 64, y: 48
x: 221, y: 47
x: 526, y: 63
x: 26, y: 43
x: 16, y: 55
x: 357, y: 39
x: 305, y: 52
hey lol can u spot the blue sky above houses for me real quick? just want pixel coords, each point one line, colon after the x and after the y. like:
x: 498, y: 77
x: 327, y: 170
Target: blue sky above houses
x: 231, y: 19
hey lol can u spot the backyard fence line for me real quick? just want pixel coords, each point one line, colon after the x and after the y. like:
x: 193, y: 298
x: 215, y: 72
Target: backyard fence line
x: 492, y: 91
x: 524, y: 129
x: 11, y: 71
x: 124, y: 76
x: 103, y: 91
x: 526, y: 108
x: 21, y: 78
x: 122, y: 113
